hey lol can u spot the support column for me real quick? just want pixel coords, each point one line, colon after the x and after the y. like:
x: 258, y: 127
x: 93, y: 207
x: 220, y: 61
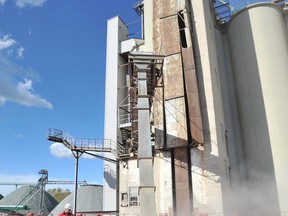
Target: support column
x: 77, y: 156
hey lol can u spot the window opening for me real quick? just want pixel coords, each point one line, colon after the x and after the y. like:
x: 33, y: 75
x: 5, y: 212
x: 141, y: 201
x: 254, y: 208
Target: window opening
x: 134, y: 196
x: 182, y: 27
x: 124, y: 199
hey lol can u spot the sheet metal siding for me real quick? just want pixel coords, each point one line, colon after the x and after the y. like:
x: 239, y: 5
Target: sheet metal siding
x: 209, y: 162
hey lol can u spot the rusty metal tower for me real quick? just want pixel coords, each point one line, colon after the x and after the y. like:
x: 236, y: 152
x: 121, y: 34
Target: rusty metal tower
x: 135, y: 123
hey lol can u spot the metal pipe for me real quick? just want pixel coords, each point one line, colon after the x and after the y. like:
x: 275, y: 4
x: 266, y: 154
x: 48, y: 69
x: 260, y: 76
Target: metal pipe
x: 76, y: 182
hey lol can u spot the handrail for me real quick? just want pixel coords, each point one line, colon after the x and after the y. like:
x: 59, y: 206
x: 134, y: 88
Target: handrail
x: 86, y: 144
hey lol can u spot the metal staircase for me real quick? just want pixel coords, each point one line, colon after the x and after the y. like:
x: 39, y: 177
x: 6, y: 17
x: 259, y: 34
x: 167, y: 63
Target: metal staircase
x: 85, y: 145
x: 128, y: 124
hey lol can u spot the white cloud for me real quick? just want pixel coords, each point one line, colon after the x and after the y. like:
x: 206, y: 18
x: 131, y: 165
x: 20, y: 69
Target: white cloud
x: 87, y: 156
x: 2, y: 2
x: 22, y: 93
x: 2, y: 101
x: 19, y: 136
x: 20, y: 52
x: 6, y: 41
x: 31, y: 3
x: 12, y: 86
x: 60, y: 151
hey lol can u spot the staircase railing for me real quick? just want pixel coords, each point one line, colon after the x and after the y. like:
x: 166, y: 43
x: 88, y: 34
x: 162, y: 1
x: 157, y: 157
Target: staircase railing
x: 85, y: 144
x: 124, y: 112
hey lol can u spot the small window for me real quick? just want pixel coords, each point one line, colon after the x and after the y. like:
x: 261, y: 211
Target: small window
x: 133, y: 196
x: 124, y: 200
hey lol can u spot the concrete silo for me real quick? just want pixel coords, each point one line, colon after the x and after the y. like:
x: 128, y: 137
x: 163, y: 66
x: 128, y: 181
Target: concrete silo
x: 259, y: 54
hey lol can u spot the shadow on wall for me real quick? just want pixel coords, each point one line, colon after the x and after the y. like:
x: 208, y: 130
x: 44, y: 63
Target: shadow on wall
x: 182, y: 169
x: 258, y: 197
x: 203, y: 153
x: 110, y: 176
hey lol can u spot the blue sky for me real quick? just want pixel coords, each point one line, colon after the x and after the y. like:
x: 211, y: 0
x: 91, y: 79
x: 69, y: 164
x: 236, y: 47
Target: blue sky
x: 52, y: 74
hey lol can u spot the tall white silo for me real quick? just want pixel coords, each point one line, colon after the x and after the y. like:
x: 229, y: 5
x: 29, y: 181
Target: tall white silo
x: 259, y: 52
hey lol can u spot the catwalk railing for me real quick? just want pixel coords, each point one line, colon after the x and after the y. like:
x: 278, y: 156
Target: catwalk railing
x: 84, y: 144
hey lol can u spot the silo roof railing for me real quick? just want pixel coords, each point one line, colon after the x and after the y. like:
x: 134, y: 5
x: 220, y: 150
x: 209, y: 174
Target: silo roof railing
x: 223, y: 11
x: 281, y: 3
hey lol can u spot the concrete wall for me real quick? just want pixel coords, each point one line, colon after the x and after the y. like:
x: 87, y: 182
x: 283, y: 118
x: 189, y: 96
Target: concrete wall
x: 242, y: 77
x: 115, y: 78
x: 129, y: 177
x: 259, y: 52
x: 210, y: 162
x: 286, y: 20
x: 171, y: 120
x: 129, y: 173
x: 163, y: 183
x: 233, y: 140
x: 148, y: 26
